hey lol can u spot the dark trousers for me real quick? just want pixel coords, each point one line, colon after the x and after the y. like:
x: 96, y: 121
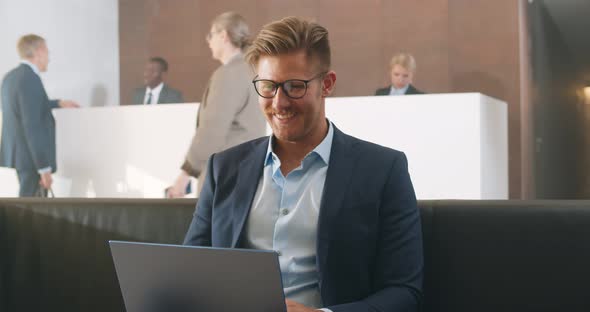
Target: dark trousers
x: 29, y: 184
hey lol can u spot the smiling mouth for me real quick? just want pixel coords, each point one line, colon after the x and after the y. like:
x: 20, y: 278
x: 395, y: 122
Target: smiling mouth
x: 284, y: 115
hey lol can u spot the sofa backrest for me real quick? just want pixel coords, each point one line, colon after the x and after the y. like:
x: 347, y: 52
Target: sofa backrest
x: 506, y: 255
x: 479, y: 255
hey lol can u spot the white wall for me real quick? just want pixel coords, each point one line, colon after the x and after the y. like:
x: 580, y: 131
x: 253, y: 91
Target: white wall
x: 83, y: 41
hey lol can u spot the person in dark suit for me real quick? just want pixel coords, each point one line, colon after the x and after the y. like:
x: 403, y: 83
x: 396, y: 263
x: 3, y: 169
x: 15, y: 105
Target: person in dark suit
x: 403, y: 69
x: 28, y: 127
x: 155, y: 90
x: 341, y: 212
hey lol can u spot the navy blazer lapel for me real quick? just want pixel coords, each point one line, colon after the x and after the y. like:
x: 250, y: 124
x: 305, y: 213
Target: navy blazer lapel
x: 412, y: 90
x: 163, y: 94
x: 338, y: 178
x: 246, y: 184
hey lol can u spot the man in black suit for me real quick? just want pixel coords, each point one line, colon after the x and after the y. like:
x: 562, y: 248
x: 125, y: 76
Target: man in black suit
x: 28, y: 128
x: 155, y: 90
x: 403, y: 68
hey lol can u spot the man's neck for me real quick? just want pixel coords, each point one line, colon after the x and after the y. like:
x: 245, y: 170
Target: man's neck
x: 400, y: 88
x: 292, y: 154
x: 229, y: 54
x: 33, y: 64
x: 152, y: 87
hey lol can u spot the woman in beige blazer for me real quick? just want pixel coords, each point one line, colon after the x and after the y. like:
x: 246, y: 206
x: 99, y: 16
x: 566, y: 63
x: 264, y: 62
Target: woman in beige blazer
x: 228, y: 113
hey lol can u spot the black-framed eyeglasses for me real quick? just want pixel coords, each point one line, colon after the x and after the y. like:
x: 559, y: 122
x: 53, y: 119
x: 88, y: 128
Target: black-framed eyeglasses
x: 293, y: 88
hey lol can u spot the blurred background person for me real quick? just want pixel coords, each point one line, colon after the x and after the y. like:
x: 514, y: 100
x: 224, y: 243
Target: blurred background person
x: 403, y: 68
x: 228, y: 113
x: 28, y: 127
x: 156, y: 91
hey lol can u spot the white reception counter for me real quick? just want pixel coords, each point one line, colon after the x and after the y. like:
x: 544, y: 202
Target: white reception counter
x: 457, y: 144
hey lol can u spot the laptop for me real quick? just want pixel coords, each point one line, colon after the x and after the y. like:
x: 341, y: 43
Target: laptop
x: 157, y: 277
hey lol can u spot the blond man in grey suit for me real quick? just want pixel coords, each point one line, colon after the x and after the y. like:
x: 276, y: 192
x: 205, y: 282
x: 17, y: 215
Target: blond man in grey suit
x: 228, y: 114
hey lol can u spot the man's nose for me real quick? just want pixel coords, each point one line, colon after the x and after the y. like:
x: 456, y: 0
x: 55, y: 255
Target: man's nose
x: 280, y: 100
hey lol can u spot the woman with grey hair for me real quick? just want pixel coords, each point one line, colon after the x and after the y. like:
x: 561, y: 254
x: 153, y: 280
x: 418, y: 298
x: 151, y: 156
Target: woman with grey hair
x: 228, y: 113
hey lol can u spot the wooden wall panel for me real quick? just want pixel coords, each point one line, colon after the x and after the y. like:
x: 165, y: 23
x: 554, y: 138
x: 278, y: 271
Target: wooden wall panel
x: 133, y: 46
x: 460, y: 45
x: 420, y: 28
x: 356, y: 46
x: 484, y: 57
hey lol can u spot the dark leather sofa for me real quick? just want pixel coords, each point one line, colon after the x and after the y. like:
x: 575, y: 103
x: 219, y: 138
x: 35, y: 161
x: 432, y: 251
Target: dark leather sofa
x: 479, y: 255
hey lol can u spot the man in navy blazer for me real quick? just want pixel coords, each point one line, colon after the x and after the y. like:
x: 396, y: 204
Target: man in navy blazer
x: 156, y: 91
x: 28, y: 127
x: 340, y: 211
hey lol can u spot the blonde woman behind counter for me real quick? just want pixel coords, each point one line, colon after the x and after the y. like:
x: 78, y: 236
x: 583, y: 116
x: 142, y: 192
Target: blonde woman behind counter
x: 228, y: 114
x: 402, y: 71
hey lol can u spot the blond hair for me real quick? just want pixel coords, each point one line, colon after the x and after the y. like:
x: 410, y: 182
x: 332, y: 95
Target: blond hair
x: 28, y: 44
x: 235, y: 26
x: 405, y: 60
x: 291, y: 34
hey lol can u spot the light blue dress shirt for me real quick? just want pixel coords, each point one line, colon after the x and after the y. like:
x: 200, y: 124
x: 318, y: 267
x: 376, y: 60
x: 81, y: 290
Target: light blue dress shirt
x: 284, y: 218
x: 402, y: 91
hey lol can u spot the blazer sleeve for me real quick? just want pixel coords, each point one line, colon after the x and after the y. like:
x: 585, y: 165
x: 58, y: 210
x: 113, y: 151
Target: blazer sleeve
x: 413, y: 90
x: 170, y: 96
x: 382, y: 91
x: 138, y: 96
x: 34, y: 107
x: 226, y: 95
x: 177, y: 97
x: 399, y: 264
x: 53, y: 104
x: 199, y: 232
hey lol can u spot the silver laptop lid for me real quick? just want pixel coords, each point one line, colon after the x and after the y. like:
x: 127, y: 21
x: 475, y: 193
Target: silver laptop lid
x: 157, y: 277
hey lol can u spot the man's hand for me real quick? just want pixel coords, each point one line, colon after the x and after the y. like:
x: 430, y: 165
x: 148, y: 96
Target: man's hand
x: 46, y: 180
x: 293, y: 306
x: 67, y: 104
x: 179, y: 188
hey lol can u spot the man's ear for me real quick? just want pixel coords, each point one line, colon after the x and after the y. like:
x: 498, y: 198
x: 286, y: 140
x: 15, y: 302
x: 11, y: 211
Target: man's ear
x: 328, y: 83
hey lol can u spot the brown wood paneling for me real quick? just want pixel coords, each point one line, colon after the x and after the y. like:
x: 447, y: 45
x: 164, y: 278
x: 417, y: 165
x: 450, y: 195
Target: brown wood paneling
x: 459, y: 45
x: 356, y: 46
x: 419, y: 28
x: 133, y: 46
x: 527, y: 136
x: 484, y: 57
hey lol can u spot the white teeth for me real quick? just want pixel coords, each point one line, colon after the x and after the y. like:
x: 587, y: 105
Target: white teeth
x: 284, y: 115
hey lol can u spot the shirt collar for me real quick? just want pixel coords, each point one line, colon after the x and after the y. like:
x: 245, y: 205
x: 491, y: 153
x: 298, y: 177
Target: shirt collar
x: 323, y: 149
x: 157, y: 89
x: 402, y: 90
x: 33, y: 66
x: 238, y: 56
